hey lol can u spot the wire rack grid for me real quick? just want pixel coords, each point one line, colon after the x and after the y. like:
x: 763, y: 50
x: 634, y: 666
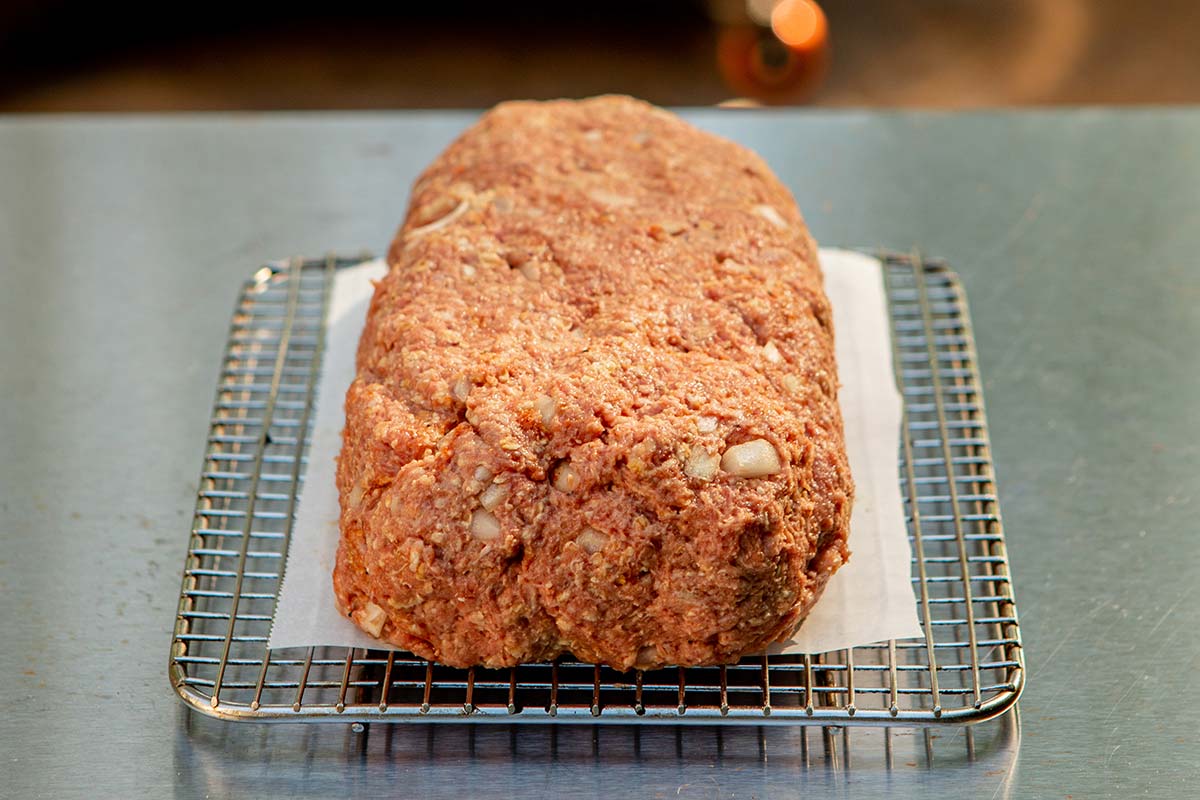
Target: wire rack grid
x: 968, y: 667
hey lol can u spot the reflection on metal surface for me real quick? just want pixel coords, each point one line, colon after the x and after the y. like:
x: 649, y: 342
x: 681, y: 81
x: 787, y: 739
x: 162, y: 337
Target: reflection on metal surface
x: 601, y: 760
x: 966, y: 669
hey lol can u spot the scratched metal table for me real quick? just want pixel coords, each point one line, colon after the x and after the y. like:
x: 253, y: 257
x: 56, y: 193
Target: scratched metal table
x: 123, y: 242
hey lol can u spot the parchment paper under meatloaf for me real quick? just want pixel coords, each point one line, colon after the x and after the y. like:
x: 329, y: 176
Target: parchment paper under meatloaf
x: 596, y: 405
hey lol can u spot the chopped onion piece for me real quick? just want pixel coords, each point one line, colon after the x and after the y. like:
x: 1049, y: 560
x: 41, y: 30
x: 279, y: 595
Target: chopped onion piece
x: 701, y: 464
x: 546, y: 406
x: 484, y: 525
x: 493, y: 495
x: 591, y: 540
x: 440, y: 223
x: 461, y: 388
x: 706, y: 424
x: 371, y: 618
x: 483, y: 474
x: 771, y: 352
x: 647, y: 656
x: 754, y: 459
x: 771, y: 215
x: 565, y: 478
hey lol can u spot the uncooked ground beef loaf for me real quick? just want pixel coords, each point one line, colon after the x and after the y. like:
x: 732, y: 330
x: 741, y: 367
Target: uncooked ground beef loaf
x: 596, y: 404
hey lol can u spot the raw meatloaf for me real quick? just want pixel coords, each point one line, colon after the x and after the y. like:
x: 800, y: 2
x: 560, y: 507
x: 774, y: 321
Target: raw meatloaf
x: 596, y: 403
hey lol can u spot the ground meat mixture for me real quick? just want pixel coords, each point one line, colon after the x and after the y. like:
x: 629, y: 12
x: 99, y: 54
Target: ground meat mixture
x: 596, y: 404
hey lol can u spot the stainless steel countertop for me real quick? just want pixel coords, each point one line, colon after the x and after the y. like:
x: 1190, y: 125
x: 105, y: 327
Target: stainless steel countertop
x: 123, y: 242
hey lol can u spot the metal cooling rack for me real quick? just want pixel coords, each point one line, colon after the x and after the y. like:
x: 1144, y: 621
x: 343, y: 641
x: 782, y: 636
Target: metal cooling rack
x: 967, y: 668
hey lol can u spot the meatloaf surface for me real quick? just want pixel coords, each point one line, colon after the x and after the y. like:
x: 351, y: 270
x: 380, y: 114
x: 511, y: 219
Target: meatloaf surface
x: 596, y: 402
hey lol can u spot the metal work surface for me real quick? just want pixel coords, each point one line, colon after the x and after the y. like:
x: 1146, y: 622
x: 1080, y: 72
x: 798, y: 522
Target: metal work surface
x: 966, y: 669
x: 1075, y: 235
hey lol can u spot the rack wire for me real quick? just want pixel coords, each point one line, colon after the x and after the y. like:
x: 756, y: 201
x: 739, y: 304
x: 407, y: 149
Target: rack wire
x: 967, y: 668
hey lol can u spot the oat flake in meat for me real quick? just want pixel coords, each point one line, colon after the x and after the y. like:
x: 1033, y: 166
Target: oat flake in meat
x: 596, y: 403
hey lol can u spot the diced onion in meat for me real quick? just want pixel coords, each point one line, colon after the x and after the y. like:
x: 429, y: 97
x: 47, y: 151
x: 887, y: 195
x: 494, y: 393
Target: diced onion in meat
x: 546, y: 406
x: 565, y: 478
x: 754, y: 459
x: 493, y: 495
x: 371, y: 618
x: 440, y: 223
x: 485, y: 526
x: 771, y: 215
x: 701, y: 464
x: 356, y: 496
x: 647, y: 656
x: 591, y: 540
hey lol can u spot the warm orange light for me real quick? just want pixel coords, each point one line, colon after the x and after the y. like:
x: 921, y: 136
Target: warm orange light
x: 799, y: 24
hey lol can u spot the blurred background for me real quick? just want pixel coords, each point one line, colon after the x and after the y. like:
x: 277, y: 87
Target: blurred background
x: 68, y: 55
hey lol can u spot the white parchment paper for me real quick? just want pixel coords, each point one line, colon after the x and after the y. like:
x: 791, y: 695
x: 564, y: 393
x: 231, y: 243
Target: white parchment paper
x: 868, y: 600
